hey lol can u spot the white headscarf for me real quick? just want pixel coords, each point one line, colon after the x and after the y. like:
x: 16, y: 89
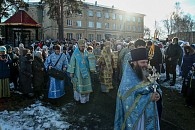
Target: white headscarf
x: 38, y: 54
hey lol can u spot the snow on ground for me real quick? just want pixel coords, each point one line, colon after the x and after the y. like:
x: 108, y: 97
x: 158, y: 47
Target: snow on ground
x: 33, y: 117
x: 39, y: 117
x: 178, y: 84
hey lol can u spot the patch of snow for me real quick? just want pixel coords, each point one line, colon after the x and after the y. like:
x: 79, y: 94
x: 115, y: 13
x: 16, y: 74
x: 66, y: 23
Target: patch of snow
x: 179, y: 80
x: 33, y: 117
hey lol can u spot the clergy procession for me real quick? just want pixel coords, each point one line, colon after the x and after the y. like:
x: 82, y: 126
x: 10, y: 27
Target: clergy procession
x: 133, y: 69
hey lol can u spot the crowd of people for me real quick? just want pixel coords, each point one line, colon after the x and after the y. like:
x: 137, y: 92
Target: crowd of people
x: 134, y: 65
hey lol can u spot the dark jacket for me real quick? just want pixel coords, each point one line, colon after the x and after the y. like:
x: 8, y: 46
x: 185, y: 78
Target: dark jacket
x: 25, y: 75
x: 157, y: 58
x: 38, y: 74
x: 13, y: 66
x: 174, y: 52
x: 4, y: 68
x: 188, y: 61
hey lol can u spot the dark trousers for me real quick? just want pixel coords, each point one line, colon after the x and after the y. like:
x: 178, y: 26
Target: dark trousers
x: 14, y: 78
x: 170, y: 68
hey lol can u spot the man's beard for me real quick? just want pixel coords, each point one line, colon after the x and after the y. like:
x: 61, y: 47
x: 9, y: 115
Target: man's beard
x: 142, y: 73
x: 81, y: 50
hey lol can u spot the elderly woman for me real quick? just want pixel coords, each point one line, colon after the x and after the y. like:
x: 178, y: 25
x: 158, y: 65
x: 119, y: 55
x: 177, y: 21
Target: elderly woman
x: 25, y: 73
x: 4, y: 73
x: 38, y: 74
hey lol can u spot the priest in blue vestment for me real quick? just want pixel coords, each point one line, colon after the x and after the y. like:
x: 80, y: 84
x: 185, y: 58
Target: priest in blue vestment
x: 136, y: 107
x: 79, y: 70
x: 56, y: 86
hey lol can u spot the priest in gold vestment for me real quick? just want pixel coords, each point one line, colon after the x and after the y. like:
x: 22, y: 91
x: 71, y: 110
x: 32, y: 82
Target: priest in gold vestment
x: 106, y: 63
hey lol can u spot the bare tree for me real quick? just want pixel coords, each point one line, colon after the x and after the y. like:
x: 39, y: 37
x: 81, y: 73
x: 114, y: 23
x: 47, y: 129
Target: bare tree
x: 178, y: 21
x: 168, y: 24
x: 147, y: 32
x: 187, y: 23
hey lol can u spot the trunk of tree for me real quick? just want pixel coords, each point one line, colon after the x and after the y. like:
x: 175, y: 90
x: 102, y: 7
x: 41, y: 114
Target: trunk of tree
x: 61, y: 33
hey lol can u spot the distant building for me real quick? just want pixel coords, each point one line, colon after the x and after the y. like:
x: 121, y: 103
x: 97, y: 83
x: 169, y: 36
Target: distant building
x: 96, y: 22
x: 184, y: 36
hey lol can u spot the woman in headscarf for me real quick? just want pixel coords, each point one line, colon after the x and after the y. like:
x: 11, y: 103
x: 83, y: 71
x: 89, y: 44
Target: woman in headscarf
x: 4, y: 73
x: 38, y: 74
x: 25, y: 73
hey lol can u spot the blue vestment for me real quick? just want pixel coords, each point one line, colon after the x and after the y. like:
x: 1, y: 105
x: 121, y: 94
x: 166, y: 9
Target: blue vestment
x: 56, y: 87
x: 134, y: 102
x: 126, y: 60
x: 79, y: 66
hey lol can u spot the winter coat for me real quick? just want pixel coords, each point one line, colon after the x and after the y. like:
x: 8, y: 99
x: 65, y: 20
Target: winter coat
x: 188, y: 60
x: 25, y: 75
x: 38, y: 74
x: 4, y: 68
x: 157, y: 58
x: 13, y: 65
x: 174, y: 52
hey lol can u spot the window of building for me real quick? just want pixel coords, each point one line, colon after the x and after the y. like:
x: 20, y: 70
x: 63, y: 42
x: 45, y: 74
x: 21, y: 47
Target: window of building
x: 90, y: 13
x: 134, y: 28
x: 139, y: 29
x: 69, y: 36
x: 98, y: 25
x: 107, y: 25
x: 99, y: 37
x: 120, y: 27
x: 139, y: 20
x: 114, y: 26
x: 90, y: 37
x: 78, y: 36
x: 120, y: 17
x: 69, y: 22
x: 128, y: 18
x: 133, y: 18
x: 107, y: 15
x: 99, y: 14
x: 113, y: 16
x: 91, y: 24
x: 78, y: 23
x: 129, y: 28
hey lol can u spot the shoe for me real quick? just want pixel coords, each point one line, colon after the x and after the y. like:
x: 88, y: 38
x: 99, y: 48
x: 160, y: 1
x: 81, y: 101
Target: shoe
x: 166, y: 80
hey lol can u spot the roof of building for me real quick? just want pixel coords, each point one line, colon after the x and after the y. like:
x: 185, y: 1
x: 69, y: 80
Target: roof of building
x: 86, y: 4
x: 21, y: 18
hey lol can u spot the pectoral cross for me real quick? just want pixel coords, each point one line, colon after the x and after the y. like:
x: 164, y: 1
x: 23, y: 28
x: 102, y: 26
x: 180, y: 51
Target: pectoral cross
x: 153, y: 77
x: 83, y: 62
x: 154, y: 86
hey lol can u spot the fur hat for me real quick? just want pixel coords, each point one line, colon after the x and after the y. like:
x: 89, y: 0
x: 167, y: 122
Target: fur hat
x: 38, y: 53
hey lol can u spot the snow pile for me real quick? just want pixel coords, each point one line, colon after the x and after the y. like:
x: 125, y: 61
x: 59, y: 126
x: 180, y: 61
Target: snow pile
x: 33, y: 117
